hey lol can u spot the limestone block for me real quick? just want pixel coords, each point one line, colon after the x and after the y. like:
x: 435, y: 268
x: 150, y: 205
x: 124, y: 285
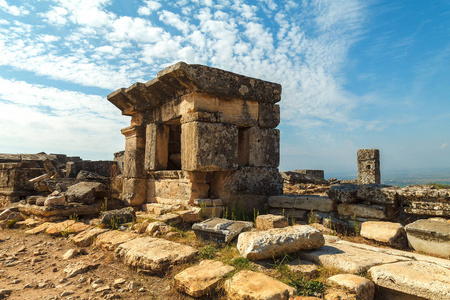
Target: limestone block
x: 38, y: 229
x: 134, y: 191
x: 153, y: 255
x: 203, y: 278
x: 160, y: 209
x: 362, y: 287
x: 207, y: 202
x: 413, y: 279
x: 60, y: 211
x: 134, y: 151
x: 211, y: 108
x: 345, y: 193
x: 220, y: 230
x: 264, y: 222
x: 348, y: 259
x: 111, y: 239
x: 378, y: 194
x: 86, y: 238
x: 391, y: 234
x: 247, y: 181
x: 303, y: 202
x: 209, y: 146
x: 268, y: 115
x: 264, y: 147
x: 421, y: 208
x: 66, y: 227
x: 429, y: 236
x: 116, y: 217
x: 306, y: 268
x: 84, y: 192
x: 56, y: 200
x: 156, y: 147
x: 366, y: 211
x: 272, y: 243
x: 290, y: 213
x: 192, y: 215
x: 180, y: 189
x: 249, y: 285
x: 306, y: 177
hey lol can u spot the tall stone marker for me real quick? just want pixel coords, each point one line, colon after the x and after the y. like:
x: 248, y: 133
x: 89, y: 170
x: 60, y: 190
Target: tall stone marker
x: 369, y: 166
x: 200, y: 133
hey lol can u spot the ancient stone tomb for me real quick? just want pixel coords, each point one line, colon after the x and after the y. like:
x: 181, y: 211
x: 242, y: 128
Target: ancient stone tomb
x: 200, y: 133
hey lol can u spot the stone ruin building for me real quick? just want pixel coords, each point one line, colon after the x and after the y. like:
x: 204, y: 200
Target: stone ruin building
x: 200, y: 133
x: 369, y: 166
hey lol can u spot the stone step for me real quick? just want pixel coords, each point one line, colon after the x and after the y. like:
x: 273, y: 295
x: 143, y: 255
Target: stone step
x: 303, y: 202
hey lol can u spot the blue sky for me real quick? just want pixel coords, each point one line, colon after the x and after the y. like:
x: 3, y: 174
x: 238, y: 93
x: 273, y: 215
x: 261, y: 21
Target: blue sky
x: 355, y: 74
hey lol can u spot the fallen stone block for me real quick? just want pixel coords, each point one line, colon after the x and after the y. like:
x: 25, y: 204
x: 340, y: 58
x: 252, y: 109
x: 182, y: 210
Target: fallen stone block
x: 153, y: 255
x: 169, y: 218
x: 38, y: 229
x: 87, y: 237
x: 290, y: 213
x: 220, y: 230
x: 378, y: 194
x: 56, y: 200
x: 264, y: 222
x: 162, y: 227
x: 60, y: 211
x: 272, y: 243
x: 249, y: 285
x: 304, y: 202
x: 160, y: 209
x: 67, y: 227
x: 412, y: 279
x: 84, y: 192
x: 348, y: 259
x: 432, y: 237
x: 113, y: 218
x: 111, y: 239
x: 391, y: 234
x: 203, y: 278
x: 192, y: 215
x: 362, y: 287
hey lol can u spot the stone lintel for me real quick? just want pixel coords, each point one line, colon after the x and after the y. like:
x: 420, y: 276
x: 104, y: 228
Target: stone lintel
x: 181, y: 78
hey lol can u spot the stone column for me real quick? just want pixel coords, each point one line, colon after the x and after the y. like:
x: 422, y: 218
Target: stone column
x: 134, y: 181
x: 369, y: 166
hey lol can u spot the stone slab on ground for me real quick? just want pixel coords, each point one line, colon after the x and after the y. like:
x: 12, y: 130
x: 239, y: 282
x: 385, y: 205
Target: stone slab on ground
x: 366, y: 211
x: 429, y: 236
x: 79, y: 267
x: 60, y: 211
x: 66, y: 227
x: 249, y: 285
x: 391, y: 234
x: 111, y: 239
x: 304, y: 202
x: 362, y: 287
x: 220, y: 230
x: 265, y: 222
x: 272, y: 243
x: 413, y: 278
x: 153, y: 255
x: 306, y: 268
x: 112, y: 218
x: 39, y: 229
x: 348, y: 259
x: 87, y: 237
x: 202, y: 279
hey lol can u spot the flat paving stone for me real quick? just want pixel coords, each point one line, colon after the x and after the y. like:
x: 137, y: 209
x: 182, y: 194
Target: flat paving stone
x: 111, y: 239
x: 413, y: 278
x: 202, y: 279
x: 86, y: 238
x: 153, y: 255
x: 362, y: 287
x: 249, y: 285
x: 220, y: 230
x: 348, y: 259
x: 429, y: 236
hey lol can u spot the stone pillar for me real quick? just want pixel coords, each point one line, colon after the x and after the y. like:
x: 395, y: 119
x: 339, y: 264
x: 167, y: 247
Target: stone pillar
x: 369, y: 166
x: 156, y: 147
x: 134, y: 177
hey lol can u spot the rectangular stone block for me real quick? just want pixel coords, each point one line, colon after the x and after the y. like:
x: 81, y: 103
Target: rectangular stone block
x: 228, y: 110
x: 264, y: 147
x: 180, y: 189
x: 304, y: 202
x: 290, y: 213
x: 209, y: 146
x: 156, y: 147
x: 134, y: 152
x: 368, y: 166
x: 366, y: 211
x: 134, y: 191
x: 268, y: 115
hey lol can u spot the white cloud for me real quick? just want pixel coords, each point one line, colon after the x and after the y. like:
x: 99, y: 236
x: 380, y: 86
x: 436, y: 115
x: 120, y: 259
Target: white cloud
x: 149, y: 7
x: 444, y: 146
x: 57, y: 15
x: 12, y: 9
x: 174, y: 20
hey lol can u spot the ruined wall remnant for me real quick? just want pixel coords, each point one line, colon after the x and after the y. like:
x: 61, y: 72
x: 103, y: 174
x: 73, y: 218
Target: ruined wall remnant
x: 369, y: 166
x: 200, y: 132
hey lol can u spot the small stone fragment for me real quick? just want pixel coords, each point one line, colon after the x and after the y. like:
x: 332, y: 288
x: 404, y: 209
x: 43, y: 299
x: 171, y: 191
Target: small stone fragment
x: 362, y: 287
x: 265, y: 222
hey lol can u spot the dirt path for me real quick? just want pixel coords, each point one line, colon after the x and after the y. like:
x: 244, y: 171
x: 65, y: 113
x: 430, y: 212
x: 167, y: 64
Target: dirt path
x: 32, y: 267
